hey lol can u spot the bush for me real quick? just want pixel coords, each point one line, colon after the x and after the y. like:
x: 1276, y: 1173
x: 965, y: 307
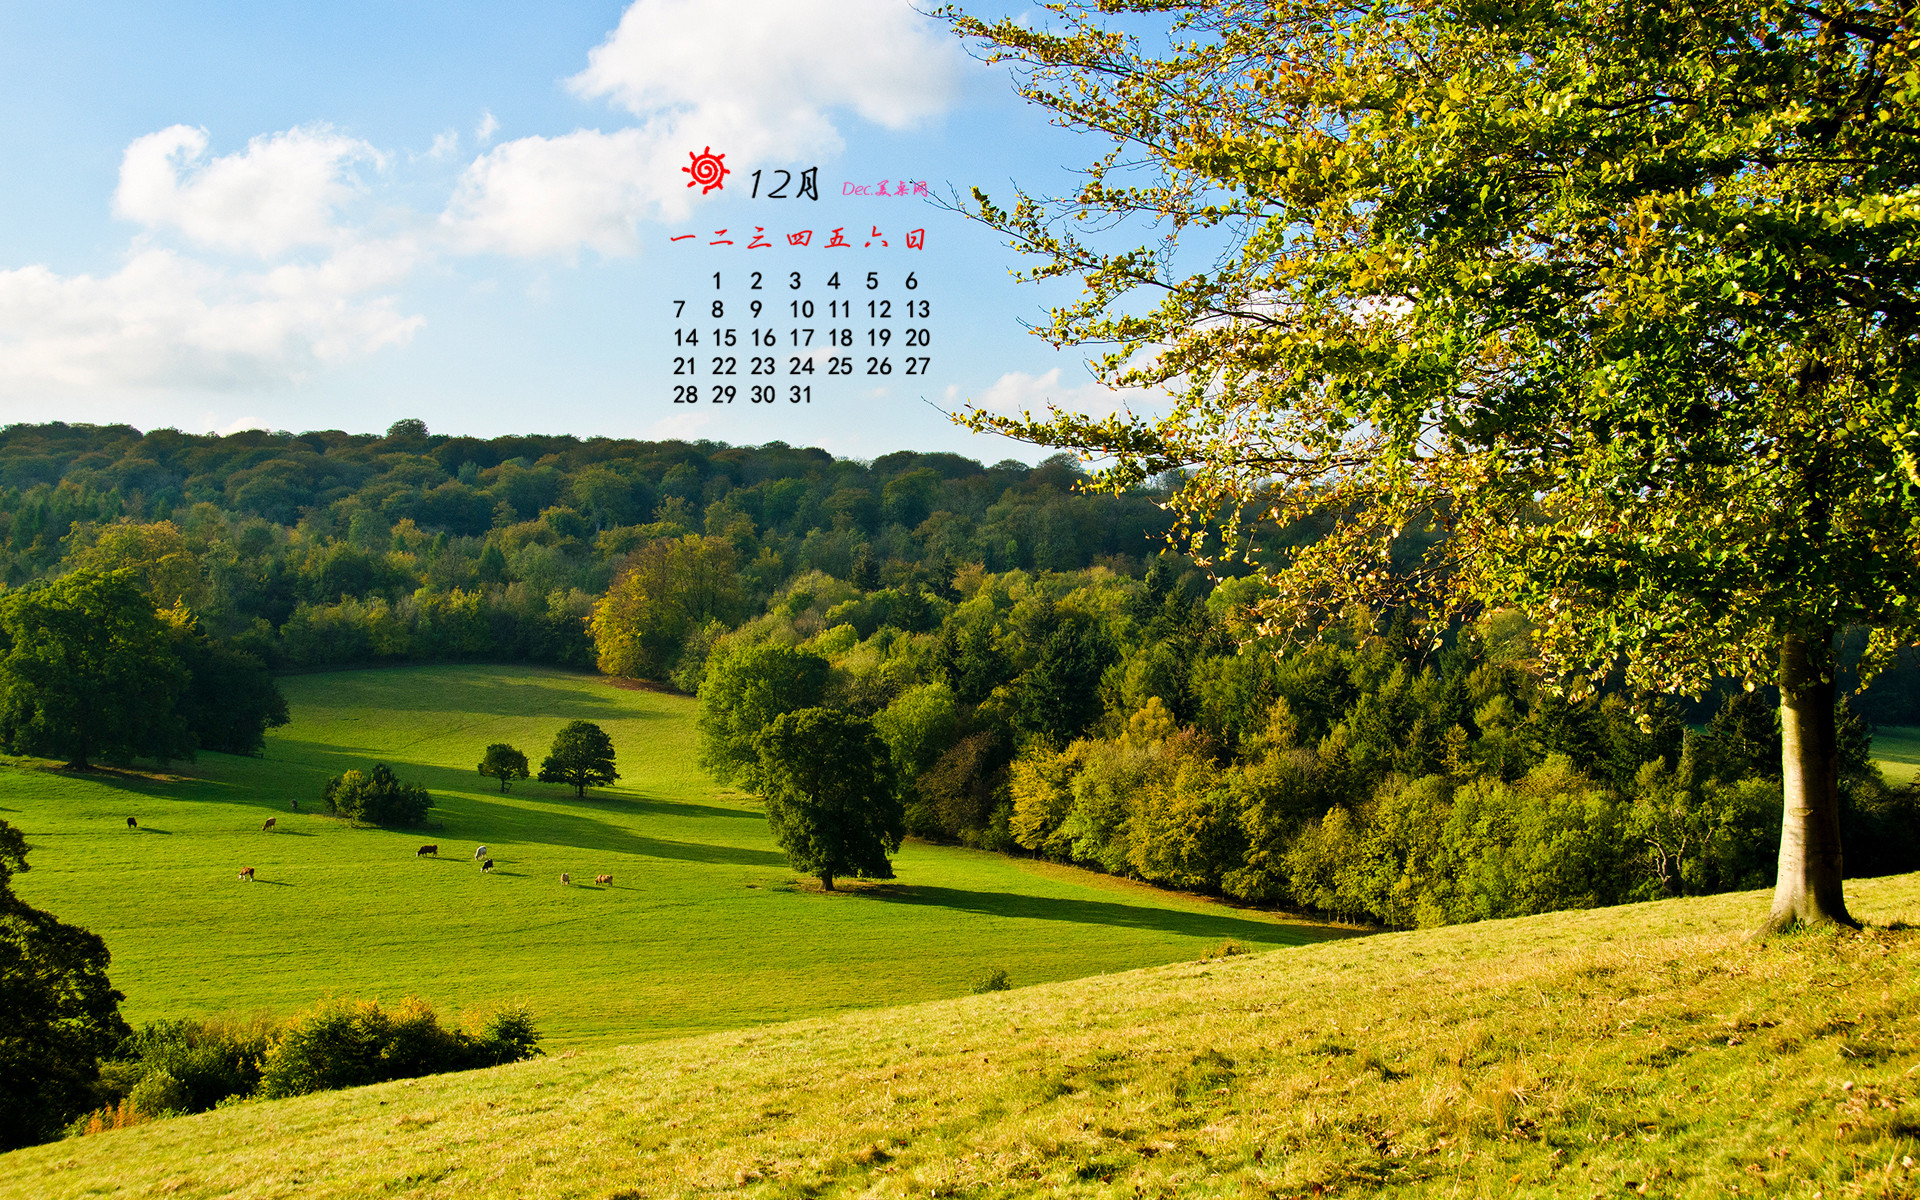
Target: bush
x: 346, y: 1043
x: 377, y: 797
x: 160, y: 1095
x: 210, y: 1060
x: 993, y: 981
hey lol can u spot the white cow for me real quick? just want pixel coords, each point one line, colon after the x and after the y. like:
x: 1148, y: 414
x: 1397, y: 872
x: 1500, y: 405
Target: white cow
x: 479, y: 854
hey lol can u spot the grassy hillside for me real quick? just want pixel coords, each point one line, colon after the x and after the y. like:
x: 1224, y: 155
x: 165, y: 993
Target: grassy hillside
x: 1897, y: 749
x: 1647, y: 1049
x: 704, y: 927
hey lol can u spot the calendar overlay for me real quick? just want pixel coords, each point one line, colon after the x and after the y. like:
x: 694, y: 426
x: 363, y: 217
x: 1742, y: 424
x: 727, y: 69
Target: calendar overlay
x: 838, y: 306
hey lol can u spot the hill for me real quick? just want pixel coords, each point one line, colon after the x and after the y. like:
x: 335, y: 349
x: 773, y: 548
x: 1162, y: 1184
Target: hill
x: 704, y: 927
x: 1647, y: 1049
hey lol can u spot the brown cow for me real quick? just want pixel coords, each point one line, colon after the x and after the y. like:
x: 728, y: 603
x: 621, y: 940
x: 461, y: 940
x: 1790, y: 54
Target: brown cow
x: 604, y: 880
x: 565, y: 878
x: 425, y: 850
x: 132, y: 824
x: 246, y: 873
x: 271, y: 822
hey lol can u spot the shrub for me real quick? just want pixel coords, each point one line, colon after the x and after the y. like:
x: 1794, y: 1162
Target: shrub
x: 993, y: 981
x: 345, y: 1043
x: 209, y: 1059
x: 160, y: 1095
x: 377, y: 797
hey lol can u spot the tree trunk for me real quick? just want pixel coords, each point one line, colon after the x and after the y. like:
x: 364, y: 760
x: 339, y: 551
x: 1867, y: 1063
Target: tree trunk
x: 1808, y: 891
x: 826, y: 881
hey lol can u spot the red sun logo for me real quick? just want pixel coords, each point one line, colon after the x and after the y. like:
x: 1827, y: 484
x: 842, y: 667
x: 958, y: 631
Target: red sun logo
x: 706, y: 169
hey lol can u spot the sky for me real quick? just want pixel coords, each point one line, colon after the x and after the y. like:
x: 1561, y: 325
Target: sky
x: 219, y: 216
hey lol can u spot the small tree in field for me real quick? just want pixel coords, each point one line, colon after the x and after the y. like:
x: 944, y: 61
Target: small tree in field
x: 582, y: 755
x: 503, y: 762
x: 829, y: 786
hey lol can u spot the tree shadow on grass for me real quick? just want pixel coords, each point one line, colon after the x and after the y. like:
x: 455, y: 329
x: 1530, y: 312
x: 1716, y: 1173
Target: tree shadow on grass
x: 482, y: 693
x: 655, y: 808
x: 508, y: 823
x: 1101, y: 912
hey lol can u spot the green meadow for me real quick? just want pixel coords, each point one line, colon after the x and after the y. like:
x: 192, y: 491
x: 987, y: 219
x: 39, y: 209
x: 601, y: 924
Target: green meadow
x: 704, y: 927
x: 1896, y: 748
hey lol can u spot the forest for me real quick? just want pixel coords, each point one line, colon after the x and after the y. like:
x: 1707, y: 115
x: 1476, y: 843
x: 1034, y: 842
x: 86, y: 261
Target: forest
x: 1047, y: 678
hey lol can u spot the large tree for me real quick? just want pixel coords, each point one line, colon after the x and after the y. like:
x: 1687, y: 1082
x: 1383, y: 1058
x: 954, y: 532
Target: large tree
x: 745, y: 688
x: 1622, y: 296
x: 828, y: 783
x: 669, y: 588
x: 88, y: 668
x: 581, y: 756
x: 58, y: 1014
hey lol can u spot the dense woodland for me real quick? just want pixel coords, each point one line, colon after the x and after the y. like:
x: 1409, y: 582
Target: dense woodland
x: 1046, y: 680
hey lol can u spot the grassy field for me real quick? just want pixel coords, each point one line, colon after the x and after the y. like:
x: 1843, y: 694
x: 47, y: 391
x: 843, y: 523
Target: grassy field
x: 1897, y: 749
x: 705, y: 926
x: 1643, y: 1050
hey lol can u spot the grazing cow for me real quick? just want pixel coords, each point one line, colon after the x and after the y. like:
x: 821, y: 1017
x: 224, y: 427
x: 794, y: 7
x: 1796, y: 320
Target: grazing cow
x: 271, y: 822
x: 425, y: 850
x: 486, y: 864
x: 480, y: 853
x: 565, y: 878
x: 132, y: 824
x: 294, y: 805
x: 604, y: 880
x: 246, y: 873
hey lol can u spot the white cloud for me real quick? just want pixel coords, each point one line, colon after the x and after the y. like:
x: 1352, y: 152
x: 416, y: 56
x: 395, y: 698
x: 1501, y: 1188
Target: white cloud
x: 775, y: 66
x: 165, y: 320
x: 756, y: 80
x: 537, y: 195
x: 445, y: 145
x: 487, y: 127
x: 283, y: 191
x: 682, y: 425
x: 170, y: 317
x: 1016, y: 392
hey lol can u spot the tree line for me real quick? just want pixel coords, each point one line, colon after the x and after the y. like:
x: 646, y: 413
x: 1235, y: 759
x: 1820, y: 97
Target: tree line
x: 1142, y: 727
x: 328, y: 548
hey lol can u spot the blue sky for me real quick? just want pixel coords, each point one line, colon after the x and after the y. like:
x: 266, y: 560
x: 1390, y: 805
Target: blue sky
x: 220, y: 216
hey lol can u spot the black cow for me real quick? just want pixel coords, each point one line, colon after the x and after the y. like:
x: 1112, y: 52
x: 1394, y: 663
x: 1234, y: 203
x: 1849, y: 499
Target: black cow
x: 486, y: 864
